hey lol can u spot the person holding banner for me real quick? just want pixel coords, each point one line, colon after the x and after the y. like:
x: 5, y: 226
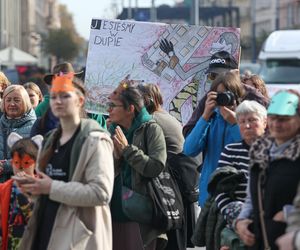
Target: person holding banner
x: 136, y: 160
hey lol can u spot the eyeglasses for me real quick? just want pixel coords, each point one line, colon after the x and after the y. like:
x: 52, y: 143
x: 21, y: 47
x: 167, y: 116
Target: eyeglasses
x: 212, y: 76
x: 111, y: 105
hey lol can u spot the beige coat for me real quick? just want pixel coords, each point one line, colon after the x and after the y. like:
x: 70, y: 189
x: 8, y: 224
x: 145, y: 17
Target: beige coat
x: 83, y: 220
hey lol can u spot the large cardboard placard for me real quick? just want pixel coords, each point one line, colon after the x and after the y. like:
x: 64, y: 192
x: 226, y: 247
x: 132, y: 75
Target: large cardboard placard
x: 174, y: 56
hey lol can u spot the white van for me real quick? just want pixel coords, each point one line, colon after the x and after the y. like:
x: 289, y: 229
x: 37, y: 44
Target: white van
x: 280, y: 60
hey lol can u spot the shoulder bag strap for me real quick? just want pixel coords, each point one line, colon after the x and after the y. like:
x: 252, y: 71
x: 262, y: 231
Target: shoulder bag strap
x: 261, y: 211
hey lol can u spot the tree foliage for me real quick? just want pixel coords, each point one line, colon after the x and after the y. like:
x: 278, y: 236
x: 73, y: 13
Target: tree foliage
x: 61, y: 44
x: 64, y: 43
x: 67, y: 23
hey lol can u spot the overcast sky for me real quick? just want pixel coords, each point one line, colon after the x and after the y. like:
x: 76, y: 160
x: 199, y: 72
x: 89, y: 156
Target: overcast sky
x: 84, y: 10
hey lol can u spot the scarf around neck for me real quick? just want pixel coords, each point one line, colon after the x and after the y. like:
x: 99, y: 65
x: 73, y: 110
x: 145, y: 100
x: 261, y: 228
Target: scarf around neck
x: 141, y: 118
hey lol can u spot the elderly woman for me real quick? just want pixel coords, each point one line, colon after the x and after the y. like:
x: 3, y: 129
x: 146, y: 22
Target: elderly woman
x: 274, y: 174
x: 252, y: 120
x: 137, y: 159
x: 18, y: 116
x: 34, y: 92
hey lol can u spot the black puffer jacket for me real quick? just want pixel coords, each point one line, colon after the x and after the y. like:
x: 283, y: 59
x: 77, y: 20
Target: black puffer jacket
x: 210, y: 221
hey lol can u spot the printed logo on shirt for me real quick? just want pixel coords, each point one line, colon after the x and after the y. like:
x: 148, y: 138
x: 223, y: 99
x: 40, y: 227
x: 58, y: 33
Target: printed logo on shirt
x: 55, y: 172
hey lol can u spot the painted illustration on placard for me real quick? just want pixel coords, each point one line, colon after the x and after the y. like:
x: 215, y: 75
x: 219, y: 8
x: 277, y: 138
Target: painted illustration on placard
x: 173, y: 56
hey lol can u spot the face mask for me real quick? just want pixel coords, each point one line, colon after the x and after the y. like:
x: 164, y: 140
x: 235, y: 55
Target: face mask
x: 22, y: 162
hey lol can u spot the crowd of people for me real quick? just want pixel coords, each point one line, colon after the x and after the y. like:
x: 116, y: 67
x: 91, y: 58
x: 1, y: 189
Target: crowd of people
x: 64, y: 172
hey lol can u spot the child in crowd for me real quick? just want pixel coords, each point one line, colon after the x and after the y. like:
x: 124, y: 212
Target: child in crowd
x: 15, y: 206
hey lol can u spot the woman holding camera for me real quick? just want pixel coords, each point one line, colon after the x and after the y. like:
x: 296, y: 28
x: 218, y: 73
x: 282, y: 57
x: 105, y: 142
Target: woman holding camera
x: 216, y: 127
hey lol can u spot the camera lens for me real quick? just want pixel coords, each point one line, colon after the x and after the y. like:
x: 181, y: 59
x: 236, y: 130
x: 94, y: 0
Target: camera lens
x: 225, y: 98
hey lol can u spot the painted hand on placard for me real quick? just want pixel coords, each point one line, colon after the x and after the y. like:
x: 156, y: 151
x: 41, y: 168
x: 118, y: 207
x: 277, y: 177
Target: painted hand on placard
x: 167, y: 47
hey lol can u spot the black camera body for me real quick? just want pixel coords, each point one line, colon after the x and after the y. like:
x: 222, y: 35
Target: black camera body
x: 225, y: 99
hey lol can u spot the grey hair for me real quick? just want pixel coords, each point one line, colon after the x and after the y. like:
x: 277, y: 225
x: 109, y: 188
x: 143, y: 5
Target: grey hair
x: 247, y: 107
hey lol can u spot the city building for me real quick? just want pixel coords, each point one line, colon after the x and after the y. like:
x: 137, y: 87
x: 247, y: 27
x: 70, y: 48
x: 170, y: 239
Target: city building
x: 256, y: 18
x: 23, y: 23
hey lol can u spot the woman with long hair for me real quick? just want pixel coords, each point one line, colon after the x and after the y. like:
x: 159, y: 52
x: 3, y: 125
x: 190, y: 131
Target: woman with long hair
x: 34, y: 92
x: 75, y: 178
x: 216, y: 127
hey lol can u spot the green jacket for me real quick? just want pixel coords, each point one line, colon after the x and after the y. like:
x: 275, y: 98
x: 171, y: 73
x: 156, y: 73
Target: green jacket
x: 145, y: 163
x: 43, y: 106
x: 100, y: 118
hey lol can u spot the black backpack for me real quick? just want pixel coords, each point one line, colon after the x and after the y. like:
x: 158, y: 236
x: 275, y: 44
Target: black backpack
x: 184, y: 168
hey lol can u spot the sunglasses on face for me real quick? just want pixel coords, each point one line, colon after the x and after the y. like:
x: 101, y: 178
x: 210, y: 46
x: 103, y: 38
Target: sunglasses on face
x: 111, y: 105
x: 212, y: 76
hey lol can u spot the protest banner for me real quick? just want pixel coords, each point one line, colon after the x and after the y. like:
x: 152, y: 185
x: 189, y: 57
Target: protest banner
x: 174, y: 56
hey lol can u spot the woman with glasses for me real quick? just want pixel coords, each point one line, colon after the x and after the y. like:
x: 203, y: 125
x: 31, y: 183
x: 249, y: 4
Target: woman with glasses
x: 216, y: 127
x: 274, y: 174
x: 140, y: 154
x: 75, y: 178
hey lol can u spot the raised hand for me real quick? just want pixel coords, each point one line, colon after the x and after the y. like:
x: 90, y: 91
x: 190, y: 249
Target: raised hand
x: 210, y: 105
x: 120, y: 140
x: 166, y: 46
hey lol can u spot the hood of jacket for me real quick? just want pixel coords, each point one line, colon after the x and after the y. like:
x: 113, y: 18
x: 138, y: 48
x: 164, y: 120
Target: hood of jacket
x: 260, y: 150
x: 17, y: 123
x: 223, y: 175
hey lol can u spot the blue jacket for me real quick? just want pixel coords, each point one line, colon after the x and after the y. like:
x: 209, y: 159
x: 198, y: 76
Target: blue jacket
x: 210, y: 137
x: 22, y: 126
